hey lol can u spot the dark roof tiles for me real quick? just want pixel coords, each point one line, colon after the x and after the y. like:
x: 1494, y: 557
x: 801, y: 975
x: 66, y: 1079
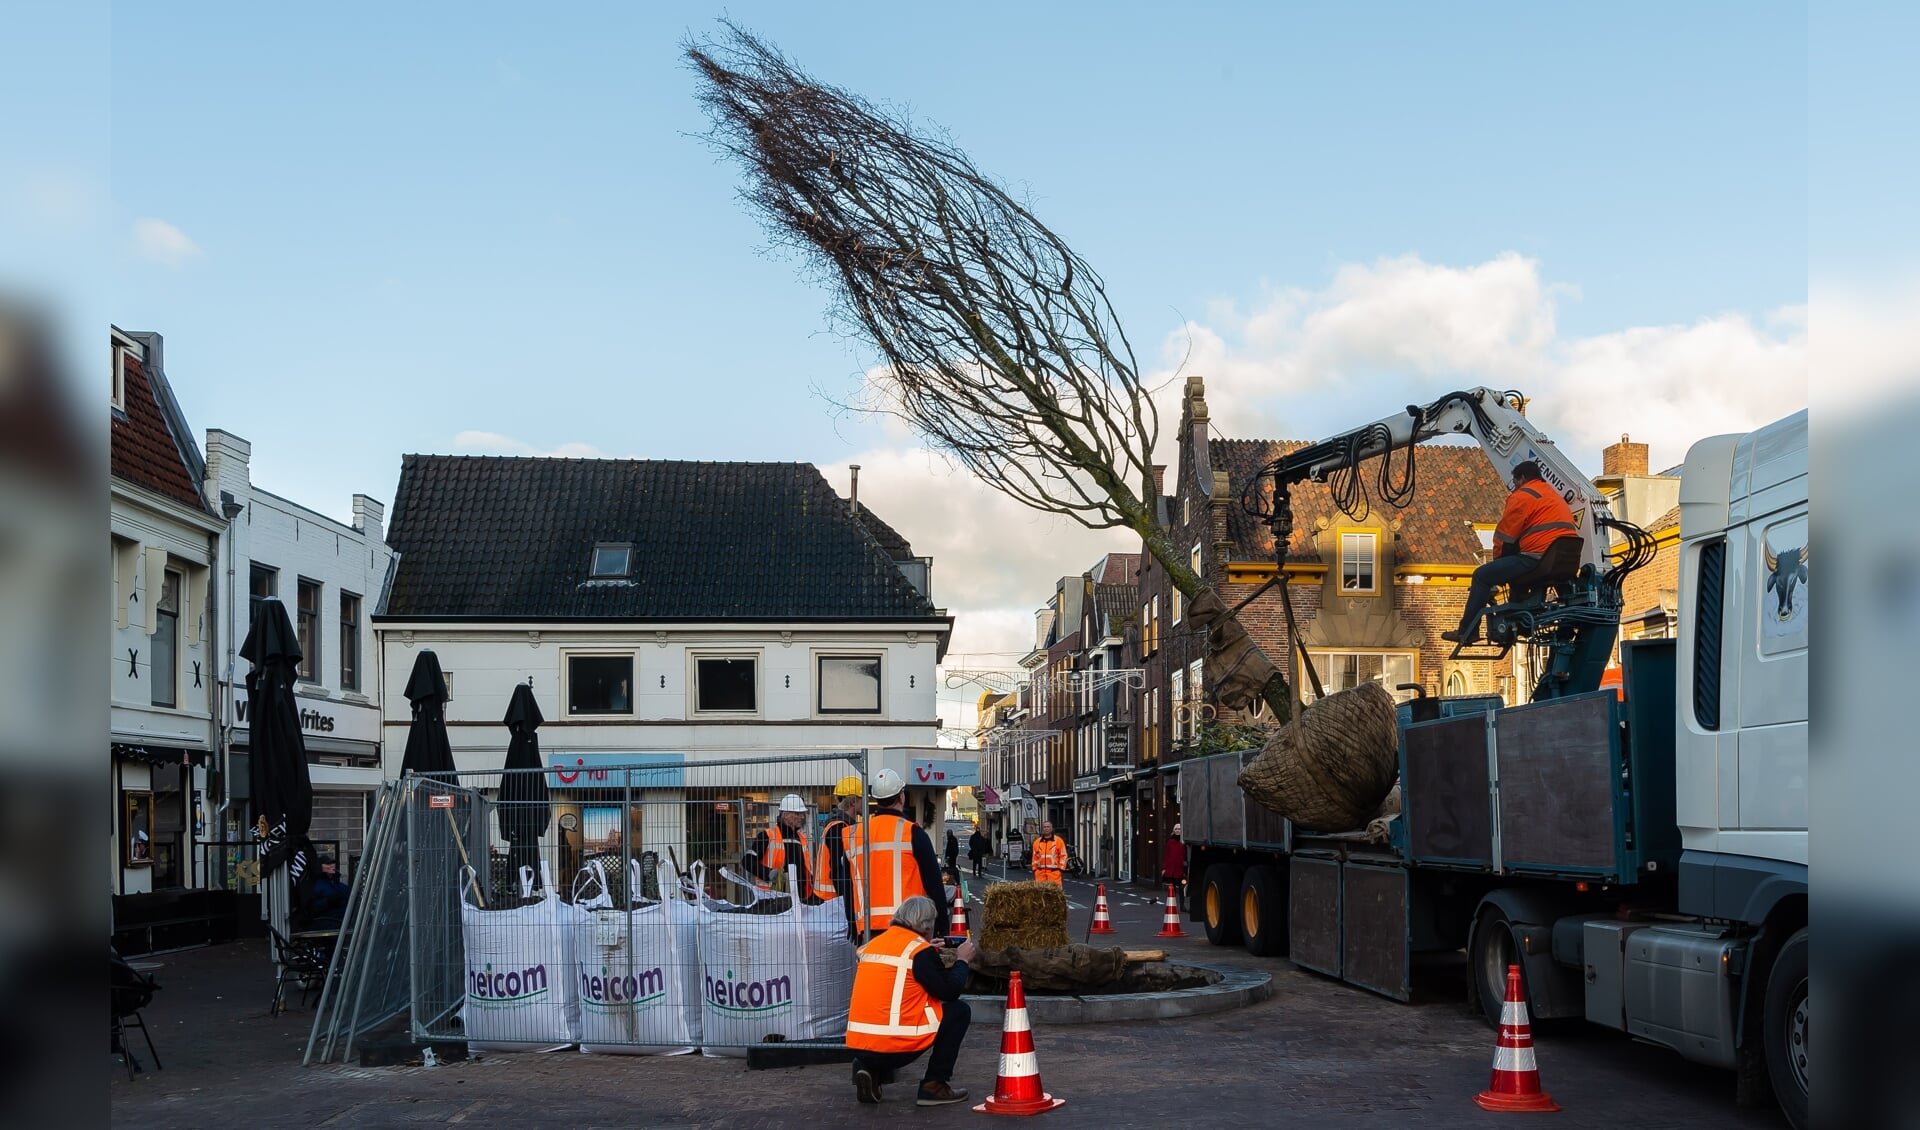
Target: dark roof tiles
x: 144, y: 449
x: 511, y: 537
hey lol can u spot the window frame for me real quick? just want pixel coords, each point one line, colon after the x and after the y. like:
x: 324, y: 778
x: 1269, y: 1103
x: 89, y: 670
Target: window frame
x: 879, y: 658
x: 166, y: 621
x: 350, y: 641
x: 1320, y: 655
x: 566, y: 690
x: 308, y: 634
x: 256, y: 570
x: 120, y: 355
x: 593, y: 561
x: 694, y: 659
x: 1373, y: 537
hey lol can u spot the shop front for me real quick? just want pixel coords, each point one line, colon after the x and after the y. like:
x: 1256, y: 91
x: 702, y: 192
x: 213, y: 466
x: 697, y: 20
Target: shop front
x: 342, y: 740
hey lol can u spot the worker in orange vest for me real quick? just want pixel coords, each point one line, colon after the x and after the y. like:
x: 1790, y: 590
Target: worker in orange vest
x: 906, y: 1001
x: 832, y: 878
x: 1534, y: 518
x: 890, y: 858
x: 779, y: 844
x: 1049, y: 856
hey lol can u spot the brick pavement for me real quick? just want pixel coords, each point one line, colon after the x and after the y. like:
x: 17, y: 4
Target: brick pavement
x: 1317, y: 1050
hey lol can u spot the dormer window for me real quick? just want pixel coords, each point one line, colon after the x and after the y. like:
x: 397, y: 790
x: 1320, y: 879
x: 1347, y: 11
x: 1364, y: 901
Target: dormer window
x: 612, y: 561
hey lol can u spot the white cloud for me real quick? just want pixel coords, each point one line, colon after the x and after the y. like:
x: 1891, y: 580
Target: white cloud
x: 493, y: 443
x: 1303, y: 364
x: 161, y: 242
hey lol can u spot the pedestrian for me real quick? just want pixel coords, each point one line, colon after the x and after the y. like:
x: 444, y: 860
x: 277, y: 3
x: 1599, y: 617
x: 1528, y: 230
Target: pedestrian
x: 890, y: 858
x: 905, y: 1000
x: 780, y: 845
x: 977, y: 852
x: 327, y: 897
x: 953, y: 852
x: 1049, y: 856
x: 1173, y: 865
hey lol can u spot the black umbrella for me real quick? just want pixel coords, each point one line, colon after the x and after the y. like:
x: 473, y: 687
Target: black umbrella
x: 525, y: 807
x: 282, y: 789
x: 427, y: 748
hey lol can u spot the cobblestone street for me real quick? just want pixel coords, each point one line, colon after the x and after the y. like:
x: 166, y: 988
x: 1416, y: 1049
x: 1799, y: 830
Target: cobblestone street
x: 1317, y: 1052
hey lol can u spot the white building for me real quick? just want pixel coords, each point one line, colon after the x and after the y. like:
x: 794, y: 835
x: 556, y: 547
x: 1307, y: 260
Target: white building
x: 665, y: 613
x: 330, y: 575
x: 164, y: 639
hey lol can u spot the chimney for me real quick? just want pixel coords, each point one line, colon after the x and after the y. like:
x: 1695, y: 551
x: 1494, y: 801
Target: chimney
x: 368, y: 514
x: 1624, y: 458
x: 853, y: 499
x: 229, y: 460
x: 1160, y: 479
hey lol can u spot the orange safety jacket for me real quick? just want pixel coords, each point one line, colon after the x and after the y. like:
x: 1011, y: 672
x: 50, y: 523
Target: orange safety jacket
x: 895, y: 873
x: 890, y: 1010
x: 1049, y: 859
x: 823, y: 888
x: 773, y: 856
x: 1534, y: 518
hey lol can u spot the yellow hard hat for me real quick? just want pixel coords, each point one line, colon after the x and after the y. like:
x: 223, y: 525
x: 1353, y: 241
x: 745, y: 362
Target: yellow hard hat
x: 848, y: 786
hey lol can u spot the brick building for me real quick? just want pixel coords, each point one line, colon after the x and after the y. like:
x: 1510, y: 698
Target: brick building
x: 1372, y: 592
x: 1650, y: 597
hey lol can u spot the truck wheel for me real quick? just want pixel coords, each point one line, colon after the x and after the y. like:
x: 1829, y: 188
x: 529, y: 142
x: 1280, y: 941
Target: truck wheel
x: 1263, y: 910
x: 1489, y: 954
x: 1220, y: 903
x: 1785, y: 1024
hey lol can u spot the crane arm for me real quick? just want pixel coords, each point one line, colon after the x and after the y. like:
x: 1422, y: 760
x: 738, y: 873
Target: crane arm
x: 1493, y: 420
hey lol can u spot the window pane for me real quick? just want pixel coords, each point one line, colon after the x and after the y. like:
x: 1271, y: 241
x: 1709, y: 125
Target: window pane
x: 600, y: 684
x: 263, y: 581
x: 309, y: 625
x: 349, y: 641
x: 166, y: 643
x: 850, y: 685
x: 612, y: 560
x: 1356, y: 562
x: 725, y: 684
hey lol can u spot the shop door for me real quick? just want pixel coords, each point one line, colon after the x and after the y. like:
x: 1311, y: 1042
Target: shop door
x: 1123, y: 837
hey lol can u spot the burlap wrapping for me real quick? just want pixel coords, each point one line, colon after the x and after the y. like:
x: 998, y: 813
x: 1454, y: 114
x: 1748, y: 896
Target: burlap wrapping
x: 1028, y: 915
x: 1237, y: 670
x: 1329, y: 768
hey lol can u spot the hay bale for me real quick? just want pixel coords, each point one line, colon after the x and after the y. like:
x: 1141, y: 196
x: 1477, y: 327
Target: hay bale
x: 1030, y: 915
x: 1329, y: 769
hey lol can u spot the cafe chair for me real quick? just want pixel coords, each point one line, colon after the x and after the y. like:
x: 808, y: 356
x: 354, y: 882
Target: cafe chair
x: 130, y: 991
x: 303, y: 962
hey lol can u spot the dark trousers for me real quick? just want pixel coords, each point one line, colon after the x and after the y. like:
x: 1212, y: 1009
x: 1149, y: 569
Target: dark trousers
x: 1491, y: 576
x: 979, y: 866
x: 954, y: 1018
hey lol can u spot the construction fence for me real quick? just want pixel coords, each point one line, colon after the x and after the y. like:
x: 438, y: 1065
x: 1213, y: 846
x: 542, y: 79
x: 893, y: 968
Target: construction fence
x: 633, y: 922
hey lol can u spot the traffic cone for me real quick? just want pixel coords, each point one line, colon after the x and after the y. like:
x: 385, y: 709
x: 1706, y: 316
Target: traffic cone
x: 957, y: 924
x: 1516, y: 1078
x: 1016, y: 1090
x: 1101, y: 923
x: 1170, y: 921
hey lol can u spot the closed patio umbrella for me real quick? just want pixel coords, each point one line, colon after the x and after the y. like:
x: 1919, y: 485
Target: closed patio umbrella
x: 282, y: 787
x: 429, y: 753
x: 525, y: 807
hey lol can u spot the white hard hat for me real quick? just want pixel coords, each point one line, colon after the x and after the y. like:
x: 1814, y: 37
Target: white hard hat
x: 886, y: 784
x: 792, y: 803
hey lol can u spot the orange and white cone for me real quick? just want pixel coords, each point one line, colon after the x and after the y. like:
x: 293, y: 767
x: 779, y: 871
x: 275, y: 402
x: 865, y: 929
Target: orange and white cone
x: 1170, y: 921
x: 1017, y: 1090
x: 1101, y: 923
x: 957, y: 922
x: 1516, y: 1078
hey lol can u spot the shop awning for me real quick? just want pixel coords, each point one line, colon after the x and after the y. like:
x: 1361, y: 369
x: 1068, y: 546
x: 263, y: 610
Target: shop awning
x: 989, y: 797
x: 160, y: 754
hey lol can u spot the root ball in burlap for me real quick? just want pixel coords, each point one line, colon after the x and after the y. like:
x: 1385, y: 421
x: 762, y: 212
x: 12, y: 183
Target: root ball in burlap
x: 1329, y: 768
x: 1030, y: 915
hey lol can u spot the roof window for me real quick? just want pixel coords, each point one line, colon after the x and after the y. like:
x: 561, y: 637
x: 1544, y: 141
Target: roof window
x: 612, y: 561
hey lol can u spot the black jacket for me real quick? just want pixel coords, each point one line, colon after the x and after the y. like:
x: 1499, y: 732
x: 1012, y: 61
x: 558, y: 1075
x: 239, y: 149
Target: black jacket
x: 941, y: 983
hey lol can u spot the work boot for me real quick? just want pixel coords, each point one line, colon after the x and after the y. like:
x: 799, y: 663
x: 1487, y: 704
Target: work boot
x: 936, y: 1092
x: 865, y: 1086
x: 1455, y: 636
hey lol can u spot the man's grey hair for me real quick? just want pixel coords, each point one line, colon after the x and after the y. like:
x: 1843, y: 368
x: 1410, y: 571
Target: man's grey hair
x: 917, y: 914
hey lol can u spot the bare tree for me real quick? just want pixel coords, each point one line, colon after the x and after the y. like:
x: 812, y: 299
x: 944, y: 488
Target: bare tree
x: 1001, y: 347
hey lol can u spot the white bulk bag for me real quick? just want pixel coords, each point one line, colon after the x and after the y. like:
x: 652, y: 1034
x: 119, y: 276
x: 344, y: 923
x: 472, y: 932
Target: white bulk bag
x: 519, y: 971
x: 788, y: 975
x: 636, y: 995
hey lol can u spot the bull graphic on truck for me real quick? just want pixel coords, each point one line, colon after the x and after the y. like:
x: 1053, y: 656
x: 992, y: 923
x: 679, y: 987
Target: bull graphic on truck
x: 1786, y: 571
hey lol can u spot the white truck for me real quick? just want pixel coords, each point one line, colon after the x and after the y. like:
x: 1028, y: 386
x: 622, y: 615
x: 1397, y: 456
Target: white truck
x: 1643, y: 858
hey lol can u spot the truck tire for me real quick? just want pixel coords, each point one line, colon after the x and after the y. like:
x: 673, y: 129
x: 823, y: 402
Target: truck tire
x: 1784, y: 1021
x: 1220, y: 903
x: 1263, y: 910
x: 1489, y: 952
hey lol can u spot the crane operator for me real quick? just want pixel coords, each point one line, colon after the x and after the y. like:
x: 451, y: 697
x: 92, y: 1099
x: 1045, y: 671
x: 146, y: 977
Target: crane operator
x: 1534, y: 517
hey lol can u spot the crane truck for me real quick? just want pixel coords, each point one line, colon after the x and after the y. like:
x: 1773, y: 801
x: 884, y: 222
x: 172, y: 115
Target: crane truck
x: 1640, y: 854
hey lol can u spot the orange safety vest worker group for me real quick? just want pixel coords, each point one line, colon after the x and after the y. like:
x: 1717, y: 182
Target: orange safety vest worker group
x: 767, y: 860
x: 889, y: 858
x: 1049, y: 856
x: 830, y: 873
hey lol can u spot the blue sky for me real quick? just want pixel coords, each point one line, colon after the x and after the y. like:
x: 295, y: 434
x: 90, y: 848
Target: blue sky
x: 383, y: 229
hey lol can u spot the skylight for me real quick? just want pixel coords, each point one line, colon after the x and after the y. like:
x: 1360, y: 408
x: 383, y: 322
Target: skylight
x: 612, y: 561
